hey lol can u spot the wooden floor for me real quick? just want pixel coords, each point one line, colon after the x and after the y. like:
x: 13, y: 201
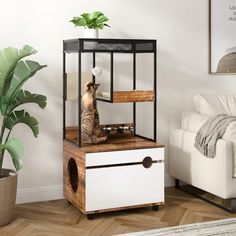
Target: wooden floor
x: 57, y: 218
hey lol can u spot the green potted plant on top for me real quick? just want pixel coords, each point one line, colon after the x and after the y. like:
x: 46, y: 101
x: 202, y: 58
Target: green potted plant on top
x: 91, y: 22
x: 14, y: 72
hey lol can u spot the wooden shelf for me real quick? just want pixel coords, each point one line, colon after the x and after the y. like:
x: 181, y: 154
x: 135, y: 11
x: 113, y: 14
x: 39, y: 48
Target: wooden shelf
x: 129, y: 96
x: 126, y: 142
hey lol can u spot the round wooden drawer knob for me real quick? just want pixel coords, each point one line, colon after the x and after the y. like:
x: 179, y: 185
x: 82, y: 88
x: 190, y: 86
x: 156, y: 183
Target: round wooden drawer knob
x: 147, y: 162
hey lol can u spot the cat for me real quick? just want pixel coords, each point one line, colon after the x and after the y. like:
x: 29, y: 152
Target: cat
x: 90, y: 130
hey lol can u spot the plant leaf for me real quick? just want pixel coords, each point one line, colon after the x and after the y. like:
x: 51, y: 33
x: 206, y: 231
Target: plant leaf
x: 24, y: 96
x: 8, y: 60
x: 92, y: 24
x: 100, y: 26
x: 4, y: 104
x: 23, y: 71
x: 78, y: 21
x: 102, y: 19
x: 86, y: 18
x: 21, y: 116
x: 107, y: 25
x: 95, y: 15
x: 16, y: 150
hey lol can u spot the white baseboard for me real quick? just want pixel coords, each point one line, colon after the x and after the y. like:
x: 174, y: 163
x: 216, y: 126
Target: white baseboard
x: 39, y: 194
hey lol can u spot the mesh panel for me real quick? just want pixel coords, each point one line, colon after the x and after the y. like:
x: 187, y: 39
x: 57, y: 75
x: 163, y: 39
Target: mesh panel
x: 72, y: 46
x: 91, y: 45
x: 144, y: 46
x: 109, y: 45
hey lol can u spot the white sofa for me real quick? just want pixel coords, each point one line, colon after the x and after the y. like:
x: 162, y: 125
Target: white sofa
x: 214, y: 175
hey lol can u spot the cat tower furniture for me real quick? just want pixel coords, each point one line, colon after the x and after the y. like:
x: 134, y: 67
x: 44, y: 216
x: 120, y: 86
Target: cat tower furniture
x: 127, y: 170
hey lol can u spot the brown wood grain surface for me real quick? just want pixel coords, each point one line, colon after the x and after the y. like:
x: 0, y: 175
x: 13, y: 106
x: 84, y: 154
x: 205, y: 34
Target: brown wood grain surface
x: 58, y: 218
x: 76, y: 198
x: 128, y: 142
x: 126, y: 208
x: 78, y: 155
x: 133, y: 96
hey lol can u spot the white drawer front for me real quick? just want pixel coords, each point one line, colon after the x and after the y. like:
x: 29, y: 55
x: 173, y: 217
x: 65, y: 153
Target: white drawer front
x: 119, y: 157
x: 122, y: 186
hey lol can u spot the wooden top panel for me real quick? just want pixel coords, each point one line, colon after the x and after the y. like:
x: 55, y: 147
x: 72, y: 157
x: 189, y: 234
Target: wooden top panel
x: 119, y: 144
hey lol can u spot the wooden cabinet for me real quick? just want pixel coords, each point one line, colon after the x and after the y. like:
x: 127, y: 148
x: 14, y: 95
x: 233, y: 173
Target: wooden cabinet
x: 117, y: 179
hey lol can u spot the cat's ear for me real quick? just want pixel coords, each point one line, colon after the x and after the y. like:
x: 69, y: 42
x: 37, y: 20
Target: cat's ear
x: 96, y: 86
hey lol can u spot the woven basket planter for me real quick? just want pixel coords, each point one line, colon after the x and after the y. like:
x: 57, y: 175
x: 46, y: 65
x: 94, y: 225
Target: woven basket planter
x: 8, y: 187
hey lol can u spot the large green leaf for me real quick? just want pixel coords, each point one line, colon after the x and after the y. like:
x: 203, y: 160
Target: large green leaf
x: 4, y: 104
x: 17, y: 117
x: 16, y: 150
x: 24, y: 96
x: 8, y: 60
x: 23, y: 71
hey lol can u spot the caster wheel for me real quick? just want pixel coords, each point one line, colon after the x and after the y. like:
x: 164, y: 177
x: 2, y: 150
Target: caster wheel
x: 90, y: 217
x: 155, y: 208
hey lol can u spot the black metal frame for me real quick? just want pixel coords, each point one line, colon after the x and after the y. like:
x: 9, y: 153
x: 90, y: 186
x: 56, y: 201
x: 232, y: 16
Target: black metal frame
x: 113, y: 46
x: 64, y: 93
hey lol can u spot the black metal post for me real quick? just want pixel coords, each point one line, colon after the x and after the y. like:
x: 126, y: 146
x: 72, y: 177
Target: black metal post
x: 94, y: 64
x: 155, y: 95
x: 111, y: 83
x: 134, y: 88
x: 64, y: 92
x: 177, y: 183
x: 79, y: 99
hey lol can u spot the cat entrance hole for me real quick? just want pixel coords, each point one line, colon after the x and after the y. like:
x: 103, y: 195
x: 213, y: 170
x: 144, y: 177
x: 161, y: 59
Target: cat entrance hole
x: 73, y: 174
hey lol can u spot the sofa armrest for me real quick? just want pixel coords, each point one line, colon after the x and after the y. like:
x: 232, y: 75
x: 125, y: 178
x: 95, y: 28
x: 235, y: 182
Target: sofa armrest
x: 213, y: 175
x: 225, y: 151
x: 174, y: 123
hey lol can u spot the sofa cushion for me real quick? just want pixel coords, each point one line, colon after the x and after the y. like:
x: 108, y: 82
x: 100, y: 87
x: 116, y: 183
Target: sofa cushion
x: 215, y: 104
x: 192, y: 121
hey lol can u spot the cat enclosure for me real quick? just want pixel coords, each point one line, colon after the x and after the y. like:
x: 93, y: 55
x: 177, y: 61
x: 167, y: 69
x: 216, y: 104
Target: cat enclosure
x: 134, y: 96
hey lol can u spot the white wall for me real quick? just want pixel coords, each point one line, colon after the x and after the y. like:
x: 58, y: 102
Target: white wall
x: 182, y: 30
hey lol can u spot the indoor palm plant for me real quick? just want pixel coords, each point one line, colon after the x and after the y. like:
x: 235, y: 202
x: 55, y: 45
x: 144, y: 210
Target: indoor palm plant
x: 14, y: 72
x: 91, y: 22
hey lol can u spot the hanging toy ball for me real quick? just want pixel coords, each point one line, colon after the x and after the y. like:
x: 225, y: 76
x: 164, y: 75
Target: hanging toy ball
x: 97, y: 71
